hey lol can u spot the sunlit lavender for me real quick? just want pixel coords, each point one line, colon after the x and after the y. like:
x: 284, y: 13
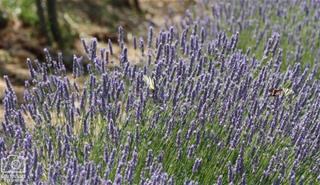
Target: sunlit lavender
x: 194, y: 109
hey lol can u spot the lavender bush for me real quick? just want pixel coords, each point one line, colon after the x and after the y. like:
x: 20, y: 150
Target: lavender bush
x: 196, y: 109
x: 295, y: 23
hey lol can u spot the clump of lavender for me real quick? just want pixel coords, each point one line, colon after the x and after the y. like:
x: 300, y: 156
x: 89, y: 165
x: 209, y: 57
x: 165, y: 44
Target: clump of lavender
x: 204, y: 116
x: 293, y: 25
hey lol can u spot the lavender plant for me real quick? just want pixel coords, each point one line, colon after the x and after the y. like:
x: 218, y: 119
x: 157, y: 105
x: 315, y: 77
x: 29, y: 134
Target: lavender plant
x: 207, y: 118
x: 294, y: 22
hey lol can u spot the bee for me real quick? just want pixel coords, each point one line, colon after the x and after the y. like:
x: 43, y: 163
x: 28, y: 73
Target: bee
x: 275, y: 92
x: 280, y: 91
x: 149, y: 81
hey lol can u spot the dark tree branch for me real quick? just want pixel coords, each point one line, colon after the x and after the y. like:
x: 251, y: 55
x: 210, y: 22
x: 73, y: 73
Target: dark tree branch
x: 53, y: 22
x: 137, y: 5
x: 42, y: 20
x: 121, y: 3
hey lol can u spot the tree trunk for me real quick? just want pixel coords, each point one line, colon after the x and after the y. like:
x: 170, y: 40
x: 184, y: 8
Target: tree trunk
x: 53, y: 22
x: 121, y: 3
x: 42, y: 20
x: 137, y: 5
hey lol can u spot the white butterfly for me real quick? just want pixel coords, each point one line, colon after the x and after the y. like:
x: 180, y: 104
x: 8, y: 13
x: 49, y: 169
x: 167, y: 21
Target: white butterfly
x: 149, y: 81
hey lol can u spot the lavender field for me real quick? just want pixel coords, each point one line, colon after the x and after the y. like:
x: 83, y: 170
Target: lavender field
x: 228, y: 94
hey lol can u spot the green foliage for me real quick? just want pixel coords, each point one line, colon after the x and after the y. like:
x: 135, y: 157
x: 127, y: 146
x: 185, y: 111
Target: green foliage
x: 23, y: 9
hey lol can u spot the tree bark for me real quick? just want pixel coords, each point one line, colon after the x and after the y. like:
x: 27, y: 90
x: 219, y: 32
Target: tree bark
x: 53, y: 22
x: 137, y: 5
x: 42, y: 20
x: 121, y: 3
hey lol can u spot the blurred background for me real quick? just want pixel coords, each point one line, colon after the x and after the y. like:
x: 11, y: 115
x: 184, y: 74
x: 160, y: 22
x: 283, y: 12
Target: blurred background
x: 29, y: 26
